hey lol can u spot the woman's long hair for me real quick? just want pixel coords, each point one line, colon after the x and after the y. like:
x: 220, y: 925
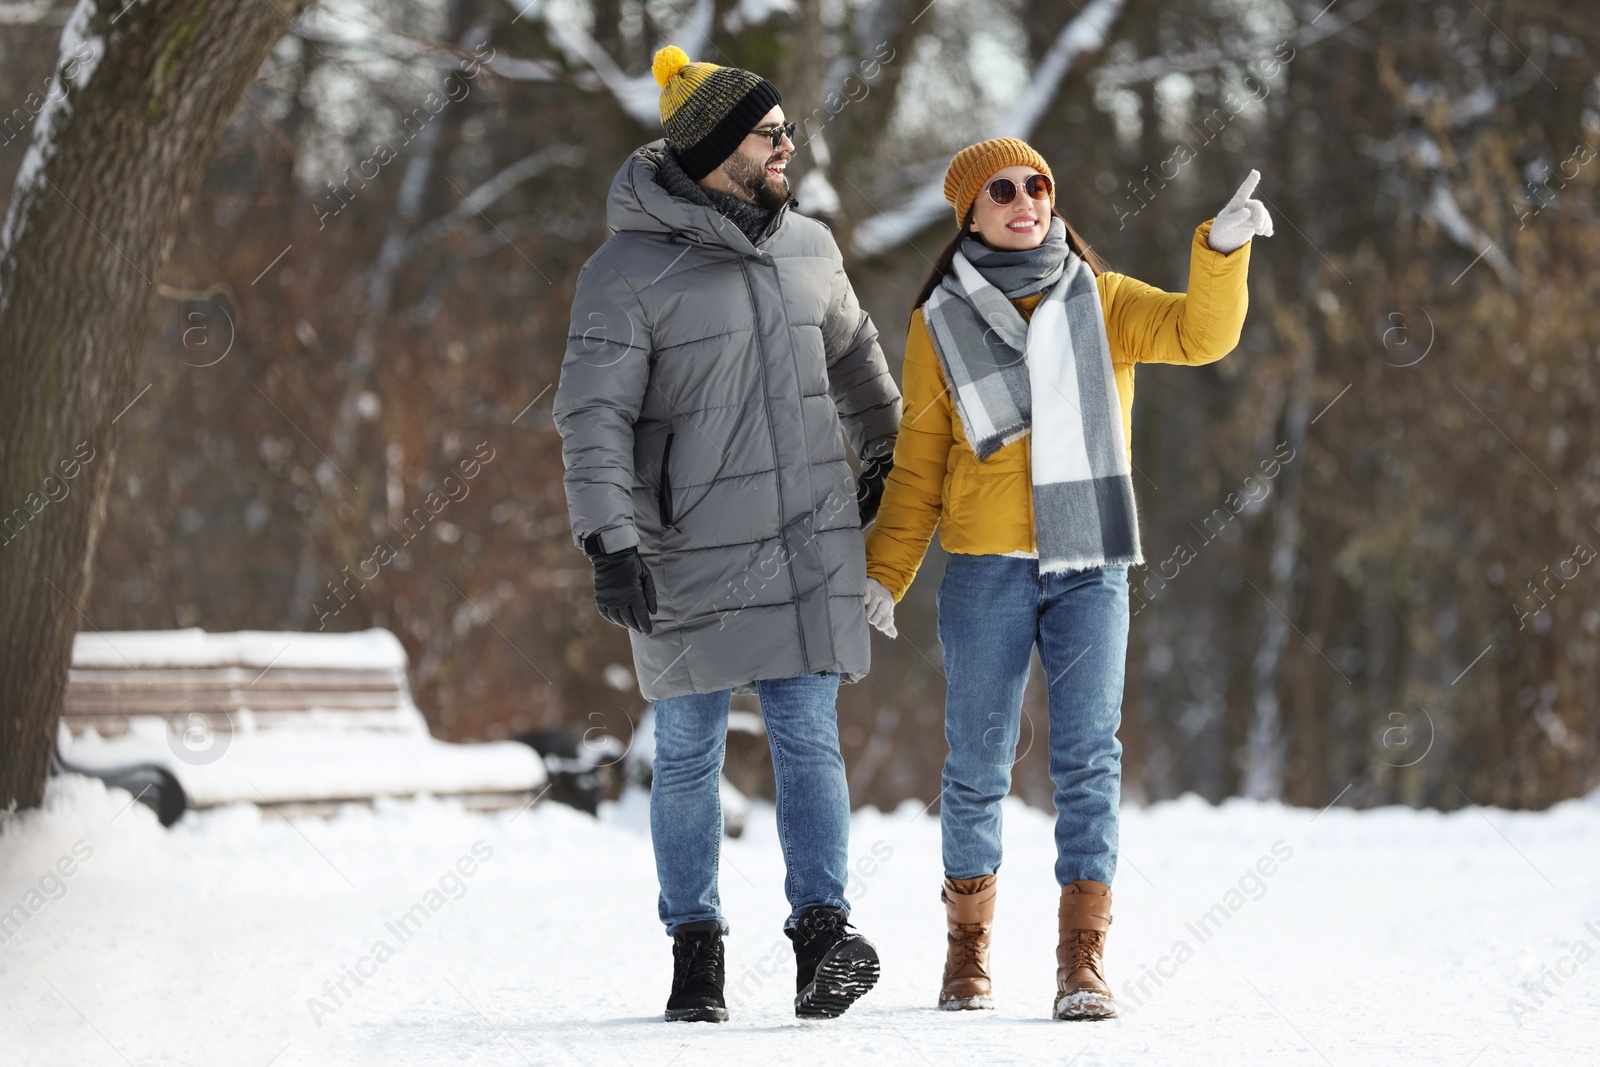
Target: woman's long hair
x: 941, y: 265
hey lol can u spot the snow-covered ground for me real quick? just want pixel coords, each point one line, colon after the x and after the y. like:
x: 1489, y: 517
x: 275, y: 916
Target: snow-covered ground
x: 420, y: 933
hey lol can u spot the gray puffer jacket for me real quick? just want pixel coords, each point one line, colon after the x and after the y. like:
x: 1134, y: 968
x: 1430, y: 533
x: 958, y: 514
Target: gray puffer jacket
x: 702, y: 395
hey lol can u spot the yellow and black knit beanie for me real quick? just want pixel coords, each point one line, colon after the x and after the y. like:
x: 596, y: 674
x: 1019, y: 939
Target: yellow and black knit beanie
x: 708, y: 109
x: 976, y: 164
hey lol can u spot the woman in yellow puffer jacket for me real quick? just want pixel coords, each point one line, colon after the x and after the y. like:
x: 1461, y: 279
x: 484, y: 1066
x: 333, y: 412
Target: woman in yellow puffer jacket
x: 1018, y: 393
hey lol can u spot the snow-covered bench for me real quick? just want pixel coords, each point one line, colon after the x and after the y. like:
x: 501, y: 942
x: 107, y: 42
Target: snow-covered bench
x: 276, y: 719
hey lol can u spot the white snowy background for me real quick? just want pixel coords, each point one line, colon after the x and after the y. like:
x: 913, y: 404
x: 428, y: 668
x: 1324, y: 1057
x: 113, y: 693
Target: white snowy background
x: 1390, y: 936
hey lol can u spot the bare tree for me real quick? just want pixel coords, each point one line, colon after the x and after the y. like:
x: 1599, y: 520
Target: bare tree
x: 140, y: 96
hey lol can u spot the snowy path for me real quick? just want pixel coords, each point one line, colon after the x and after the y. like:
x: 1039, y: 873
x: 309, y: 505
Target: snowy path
x: 1391, y: 936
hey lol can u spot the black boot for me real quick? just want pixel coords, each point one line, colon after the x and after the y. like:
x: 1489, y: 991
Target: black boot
x: 833, y: 968
x: 697, y: 975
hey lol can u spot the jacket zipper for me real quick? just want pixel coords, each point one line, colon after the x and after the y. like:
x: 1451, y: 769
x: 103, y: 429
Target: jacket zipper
x: 664, y: 487
x: 766, y: 400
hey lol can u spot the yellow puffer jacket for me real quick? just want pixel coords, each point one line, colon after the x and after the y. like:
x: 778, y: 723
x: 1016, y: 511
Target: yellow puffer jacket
x: 986, y: 506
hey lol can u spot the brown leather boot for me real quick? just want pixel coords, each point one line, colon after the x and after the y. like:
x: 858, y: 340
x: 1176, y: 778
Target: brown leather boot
x: 1084, y: 918
x: 969, y: 913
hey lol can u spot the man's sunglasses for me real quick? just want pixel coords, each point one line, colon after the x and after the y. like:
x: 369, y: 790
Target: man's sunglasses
x: 1003, y: 190
x: 778, y: 133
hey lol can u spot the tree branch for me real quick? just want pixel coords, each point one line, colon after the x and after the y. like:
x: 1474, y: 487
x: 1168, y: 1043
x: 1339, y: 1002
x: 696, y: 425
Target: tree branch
x: 1082, y: 35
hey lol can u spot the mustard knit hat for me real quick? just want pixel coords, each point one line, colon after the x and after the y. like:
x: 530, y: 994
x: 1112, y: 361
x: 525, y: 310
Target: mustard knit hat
x: 975, y: 164
x: 707, y: 109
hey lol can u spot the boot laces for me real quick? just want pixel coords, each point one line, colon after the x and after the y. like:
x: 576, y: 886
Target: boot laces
x: 1086, y: 947
x: 967, y: 946
x: 820, y: 922
x: 698, y: 960
x: 703, y: 964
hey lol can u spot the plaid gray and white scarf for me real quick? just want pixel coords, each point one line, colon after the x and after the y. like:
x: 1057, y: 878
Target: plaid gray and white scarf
x: 1050, y: 376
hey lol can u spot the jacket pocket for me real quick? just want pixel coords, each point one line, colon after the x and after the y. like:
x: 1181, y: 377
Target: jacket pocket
x: 955, y: 488
x: 664, y: 486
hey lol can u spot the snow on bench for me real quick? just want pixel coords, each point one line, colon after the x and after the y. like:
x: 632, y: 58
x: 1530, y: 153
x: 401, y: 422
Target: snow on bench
x: 274, y: 718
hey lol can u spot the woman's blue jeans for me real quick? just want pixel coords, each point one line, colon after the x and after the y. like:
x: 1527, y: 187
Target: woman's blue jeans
x: 992, y: 611
x: 813, y: 798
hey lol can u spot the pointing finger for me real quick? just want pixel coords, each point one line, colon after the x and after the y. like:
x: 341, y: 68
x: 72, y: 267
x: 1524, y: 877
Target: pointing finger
x: 1244, y: 190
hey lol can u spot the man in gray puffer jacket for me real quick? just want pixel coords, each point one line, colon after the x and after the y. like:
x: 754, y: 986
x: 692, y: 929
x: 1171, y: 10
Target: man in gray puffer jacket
x: 716, y: 351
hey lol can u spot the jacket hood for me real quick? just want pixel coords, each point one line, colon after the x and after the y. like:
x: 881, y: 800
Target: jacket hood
x: 638, y: 202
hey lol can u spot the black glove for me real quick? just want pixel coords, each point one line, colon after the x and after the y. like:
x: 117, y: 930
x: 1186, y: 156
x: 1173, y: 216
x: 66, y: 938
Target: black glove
x: 869, y: 487
x: 623, y: 589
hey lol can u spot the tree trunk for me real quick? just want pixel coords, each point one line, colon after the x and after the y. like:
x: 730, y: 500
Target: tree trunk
x: 1266, y: 743
x: 91, y: 224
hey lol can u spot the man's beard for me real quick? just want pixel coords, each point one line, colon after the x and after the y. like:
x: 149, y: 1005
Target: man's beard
x: 752, y: 179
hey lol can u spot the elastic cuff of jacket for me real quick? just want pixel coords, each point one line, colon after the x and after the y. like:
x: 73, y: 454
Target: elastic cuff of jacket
x: 611, y: 539
x: 1203, y: 236
x: 888, y: 582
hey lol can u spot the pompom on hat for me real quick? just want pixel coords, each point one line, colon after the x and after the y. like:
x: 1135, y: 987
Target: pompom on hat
x: 976, y: 164
x: 708, y: 109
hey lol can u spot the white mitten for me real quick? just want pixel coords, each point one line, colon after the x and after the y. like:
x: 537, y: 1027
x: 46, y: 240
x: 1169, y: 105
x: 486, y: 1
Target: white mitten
x: 1241, y: 219
x: 880, y: 607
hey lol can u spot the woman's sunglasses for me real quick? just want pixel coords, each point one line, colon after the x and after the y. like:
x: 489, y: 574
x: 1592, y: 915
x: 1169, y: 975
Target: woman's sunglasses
x: 1003, y: 190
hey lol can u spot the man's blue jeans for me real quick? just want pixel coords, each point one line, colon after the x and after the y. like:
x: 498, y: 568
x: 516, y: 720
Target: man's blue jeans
x: 813, y: 798
x: 992, y: 611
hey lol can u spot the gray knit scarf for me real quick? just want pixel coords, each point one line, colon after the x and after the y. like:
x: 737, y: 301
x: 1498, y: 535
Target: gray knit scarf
x: 752, y: 219
x: 1049, y: 375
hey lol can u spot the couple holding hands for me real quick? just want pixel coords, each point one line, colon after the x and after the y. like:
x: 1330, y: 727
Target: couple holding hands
x: 716, y: 351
